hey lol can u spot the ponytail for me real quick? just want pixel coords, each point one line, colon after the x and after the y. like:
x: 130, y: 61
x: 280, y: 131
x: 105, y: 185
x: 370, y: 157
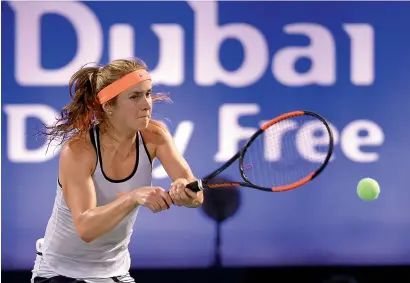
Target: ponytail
x: 81, y: 113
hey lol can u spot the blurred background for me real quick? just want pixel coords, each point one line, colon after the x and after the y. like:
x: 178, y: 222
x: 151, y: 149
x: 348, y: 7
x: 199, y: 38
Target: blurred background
x: 226, y: 66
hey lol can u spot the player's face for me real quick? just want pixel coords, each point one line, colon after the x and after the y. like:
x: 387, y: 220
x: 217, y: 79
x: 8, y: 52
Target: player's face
x: 133, y: 107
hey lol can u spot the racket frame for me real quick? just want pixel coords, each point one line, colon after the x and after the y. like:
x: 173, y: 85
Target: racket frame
x: 202, y: 184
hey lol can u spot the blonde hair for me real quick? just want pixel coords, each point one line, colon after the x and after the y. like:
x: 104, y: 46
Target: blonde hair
x: 85, y: 110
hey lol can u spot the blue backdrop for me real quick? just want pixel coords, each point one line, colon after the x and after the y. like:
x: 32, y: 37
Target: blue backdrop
x: 226, y: 66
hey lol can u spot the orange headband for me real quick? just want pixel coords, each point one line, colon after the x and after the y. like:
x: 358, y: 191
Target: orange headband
x: 122, y: 84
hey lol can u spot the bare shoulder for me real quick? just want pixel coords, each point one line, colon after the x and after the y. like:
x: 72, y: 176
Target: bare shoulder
x: 78, y: 151
x: 156, y: 135
x: 166, y: 151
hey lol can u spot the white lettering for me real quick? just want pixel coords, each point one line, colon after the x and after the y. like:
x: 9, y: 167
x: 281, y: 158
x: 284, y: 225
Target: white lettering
x: 230, y: 132
x: 209, y: 37
x: 362, y: 53
x: 170, y: 68
x: 321, y: 52
x: 17, y: 116
x: 29, y: 71
x: 352, y: 140
x: 121, y: 33
x: 352, y: 137
x: 307, y: 142
x: 273, y: 139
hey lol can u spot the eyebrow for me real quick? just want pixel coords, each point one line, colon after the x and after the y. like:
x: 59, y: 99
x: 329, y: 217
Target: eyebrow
x: 140, y: 92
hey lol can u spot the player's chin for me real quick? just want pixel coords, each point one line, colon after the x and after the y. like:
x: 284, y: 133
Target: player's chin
x: 142, y: 123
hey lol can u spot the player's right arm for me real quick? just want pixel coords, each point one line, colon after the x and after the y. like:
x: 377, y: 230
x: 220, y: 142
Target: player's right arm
x: 77, y: 164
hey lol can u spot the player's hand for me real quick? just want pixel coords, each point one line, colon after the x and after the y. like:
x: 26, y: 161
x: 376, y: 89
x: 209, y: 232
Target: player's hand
x: 155, y: 198
x: 182, y: 196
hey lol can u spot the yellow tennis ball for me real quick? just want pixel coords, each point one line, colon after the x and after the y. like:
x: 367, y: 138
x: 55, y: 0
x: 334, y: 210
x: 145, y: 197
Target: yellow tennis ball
x: 368, y: 189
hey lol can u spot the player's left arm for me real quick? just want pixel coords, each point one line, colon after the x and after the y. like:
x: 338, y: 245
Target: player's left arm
x: 178, y: 170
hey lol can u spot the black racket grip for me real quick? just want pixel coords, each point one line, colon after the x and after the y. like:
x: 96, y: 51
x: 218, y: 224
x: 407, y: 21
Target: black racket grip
x: 195, y: 186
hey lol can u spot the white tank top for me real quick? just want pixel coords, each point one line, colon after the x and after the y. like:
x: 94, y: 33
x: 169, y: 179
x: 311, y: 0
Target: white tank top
x: 64, y: 253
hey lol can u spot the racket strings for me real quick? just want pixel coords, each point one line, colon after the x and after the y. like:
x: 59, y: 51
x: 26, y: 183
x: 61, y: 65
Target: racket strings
x: 287, y: 152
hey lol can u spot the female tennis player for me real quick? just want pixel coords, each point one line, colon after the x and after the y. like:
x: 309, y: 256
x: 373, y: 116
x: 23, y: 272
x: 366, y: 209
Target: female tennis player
x: 105, y: 174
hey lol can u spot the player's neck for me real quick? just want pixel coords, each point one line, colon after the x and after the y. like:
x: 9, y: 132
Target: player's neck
x: 116, y: 138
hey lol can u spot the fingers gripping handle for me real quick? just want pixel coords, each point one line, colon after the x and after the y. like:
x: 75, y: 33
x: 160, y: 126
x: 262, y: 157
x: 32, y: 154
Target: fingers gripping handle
x: 195, y: 186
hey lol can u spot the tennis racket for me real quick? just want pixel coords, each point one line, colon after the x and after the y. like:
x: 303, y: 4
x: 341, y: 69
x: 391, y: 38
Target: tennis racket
x: 285, y: 153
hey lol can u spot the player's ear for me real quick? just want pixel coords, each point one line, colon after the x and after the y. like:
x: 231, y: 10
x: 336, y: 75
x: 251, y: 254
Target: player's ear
x: 107, y: 108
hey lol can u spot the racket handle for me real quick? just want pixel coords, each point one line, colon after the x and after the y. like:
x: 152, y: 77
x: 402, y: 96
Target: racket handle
x: 195, y: 186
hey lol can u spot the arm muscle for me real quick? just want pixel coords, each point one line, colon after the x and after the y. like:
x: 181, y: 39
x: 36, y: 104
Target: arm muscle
x: 77, y: 161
